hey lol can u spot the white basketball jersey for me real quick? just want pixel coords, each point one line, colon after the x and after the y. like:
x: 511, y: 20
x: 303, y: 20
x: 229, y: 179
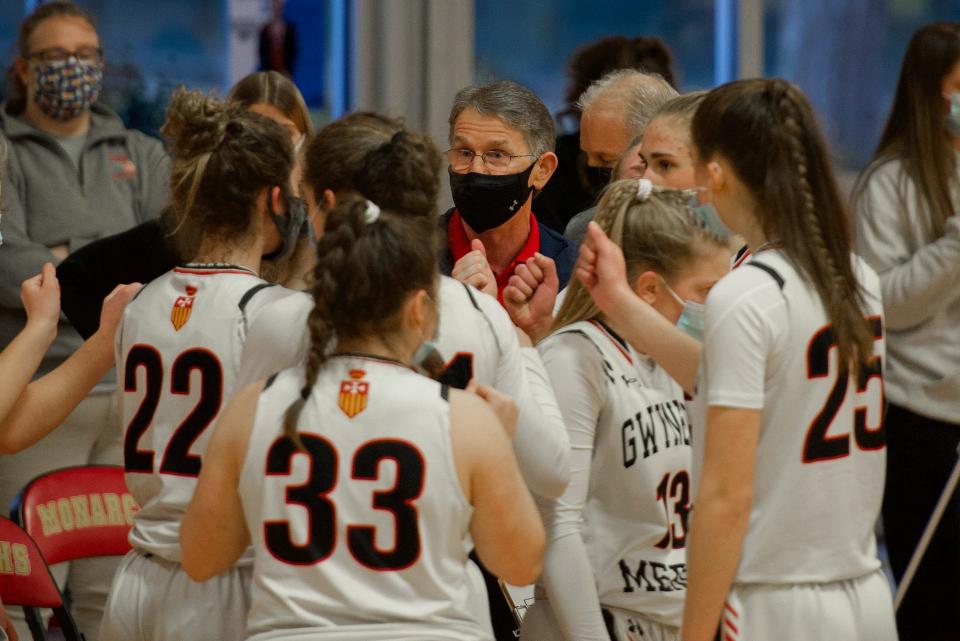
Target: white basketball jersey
x: 635, y: 516
x: 178, y: 354
x: 368, y: 530
x: 470, y: 337
x: 820, y: 459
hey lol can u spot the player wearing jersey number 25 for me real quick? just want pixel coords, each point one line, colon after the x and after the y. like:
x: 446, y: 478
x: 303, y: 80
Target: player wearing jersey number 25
x: 360, y: 482
x: 788, y: 440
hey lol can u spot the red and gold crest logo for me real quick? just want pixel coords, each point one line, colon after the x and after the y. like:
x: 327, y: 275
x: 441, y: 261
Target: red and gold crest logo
x: 353, y: 393
x: 182, y: 308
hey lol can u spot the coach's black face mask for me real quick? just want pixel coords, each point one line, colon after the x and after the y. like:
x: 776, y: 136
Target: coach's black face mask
x: 487, y: 201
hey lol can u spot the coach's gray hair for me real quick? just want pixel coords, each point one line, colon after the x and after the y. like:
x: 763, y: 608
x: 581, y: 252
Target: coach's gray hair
x: 639, y: 94
x: 518, y: 107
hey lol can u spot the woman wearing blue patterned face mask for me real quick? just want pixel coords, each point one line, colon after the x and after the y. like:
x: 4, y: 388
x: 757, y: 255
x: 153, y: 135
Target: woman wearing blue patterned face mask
x: 59, y: 73
x: 75, y: 174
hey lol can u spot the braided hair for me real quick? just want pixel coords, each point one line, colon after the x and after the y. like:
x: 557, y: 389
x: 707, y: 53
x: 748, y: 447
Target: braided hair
x: 364, y: 274
x: 766, y: 130
x: 659, y: 233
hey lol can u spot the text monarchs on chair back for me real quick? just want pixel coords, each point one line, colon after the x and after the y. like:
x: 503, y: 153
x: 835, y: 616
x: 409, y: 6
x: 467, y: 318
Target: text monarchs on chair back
x: 77, y: 512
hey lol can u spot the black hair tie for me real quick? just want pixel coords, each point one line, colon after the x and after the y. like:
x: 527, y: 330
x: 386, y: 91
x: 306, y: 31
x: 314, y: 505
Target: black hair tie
x: 305, y: 392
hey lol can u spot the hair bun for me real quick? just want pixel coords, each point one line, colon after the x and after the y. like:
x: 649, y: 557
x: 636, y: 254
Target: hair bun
x: 196, y: 123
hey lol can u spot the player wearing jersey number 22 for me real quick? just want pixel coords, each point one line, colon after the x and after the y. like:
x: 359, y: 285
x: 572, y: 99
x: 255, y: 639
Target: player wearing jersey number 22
x: 178, y: 355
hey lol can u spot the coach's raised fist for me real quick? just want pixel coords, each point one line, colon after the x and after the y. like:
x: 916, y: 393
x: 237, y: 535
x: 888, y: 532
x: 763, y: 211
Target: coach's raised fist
x: 473, y: 269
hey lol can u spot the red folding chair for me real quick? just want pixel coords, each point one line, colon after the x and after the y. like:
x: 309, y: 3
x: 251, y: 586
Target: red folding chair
x: 25, y: 580
x: 76, y: 513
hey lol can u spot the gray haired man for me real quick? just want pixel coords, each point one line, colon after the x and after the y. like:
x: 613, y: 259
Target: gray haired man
x: 501, y: 154
x: 615, y: 110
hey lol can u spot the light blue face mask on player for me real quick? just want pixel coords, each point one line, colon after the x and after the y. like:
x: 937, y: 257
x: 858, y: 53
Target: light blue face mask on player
x: 953, y: 116
x: 425, y: 351
x: 707, y: 213
x: 691, y: 321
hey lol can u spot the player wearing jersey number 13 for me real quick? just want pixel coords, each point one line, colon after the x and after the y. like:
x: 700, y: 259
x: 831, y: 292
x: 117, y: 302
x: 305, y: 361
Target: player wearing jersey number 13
x: 359, y: 481
x: 616, y: 559
x: 178, y: 355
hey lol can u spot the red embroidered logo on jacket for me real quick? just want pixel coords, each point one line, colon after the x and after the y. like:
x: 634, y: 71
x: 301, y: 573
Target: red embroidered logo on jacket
x: 353, y: 393
x: 121, y: 167
x: 182, y: 308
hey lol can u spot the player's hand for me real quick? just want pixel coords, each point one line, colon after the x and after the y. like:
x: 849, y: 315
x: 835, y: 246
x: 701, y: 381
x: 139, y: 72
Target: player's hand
x: 113, y: 306
x: 41, y: 298
x: 531, y: 294
x: 602, y: 270
x: 7, y: 625
x: 502, y: 404
x: 473, y: 269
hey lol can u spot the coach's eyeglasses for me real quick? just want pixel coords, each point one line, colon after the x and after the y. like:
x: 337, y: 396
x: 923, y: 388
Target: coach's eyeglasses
x: 89, y: 55
x: 462, y: 158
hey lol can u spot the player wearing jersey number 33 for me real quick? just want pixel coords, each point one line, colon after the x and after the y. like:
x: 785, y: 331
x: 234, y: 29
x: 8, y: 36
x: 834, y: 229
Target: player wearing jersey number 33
x: 360, y: 482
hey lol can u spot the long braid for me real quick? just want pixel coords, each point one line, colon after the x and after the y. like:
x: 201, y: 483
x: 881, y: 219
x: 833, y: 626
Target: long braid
x: 790, y: 118
x: 611, y: 210
x: 333, y: 249
x: 827, y: 262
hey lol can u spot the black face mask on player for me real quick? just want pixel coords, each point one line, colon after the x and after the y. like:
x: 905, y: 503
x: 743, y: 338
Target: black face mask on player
x: 290, y: 227
x: 486, y: 201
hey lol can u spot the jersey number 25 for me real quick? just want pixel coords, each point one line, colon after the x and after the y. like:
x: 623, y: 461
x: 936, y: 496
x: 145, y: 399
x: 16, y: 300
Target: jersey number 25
x: 819, y: 445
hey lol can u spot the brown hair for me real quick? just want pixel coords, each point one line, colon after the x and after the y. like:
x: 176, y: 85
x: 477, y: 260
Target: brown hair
x: 375, y: 156
x: 364, y: 274
x: 915, y: 132
x: 596, y: 59
x: 660, y: 234
x: 682, y: 108
x: 334, y: 154
x: 223, y: 157
x: 57, y: 9
x: 274, y: 89
x: 766, y: 130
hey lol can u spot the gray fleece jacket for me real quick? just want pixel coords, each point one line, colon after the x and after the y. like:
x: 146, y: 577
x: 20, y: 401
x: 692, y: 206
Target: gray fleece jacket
x: 920, y: 281
x: 122, y: 179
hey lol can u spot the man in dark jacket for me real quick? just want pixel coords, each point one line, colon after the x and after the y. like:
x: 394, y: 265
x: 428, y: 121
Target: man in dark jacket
x: 501, y: 155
